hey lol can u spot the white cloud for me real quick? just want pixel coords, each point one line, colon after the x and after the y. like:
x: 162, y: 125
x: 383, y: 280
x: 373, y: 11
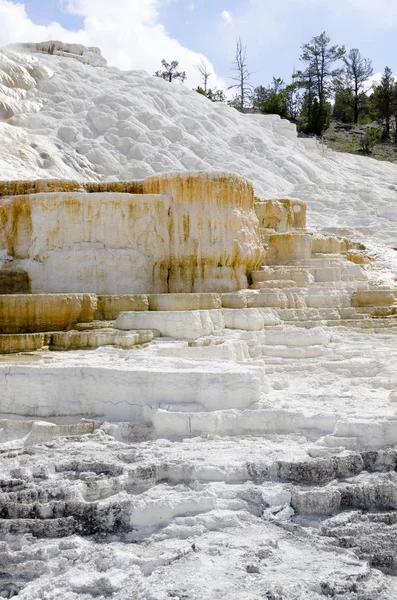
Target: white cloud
x: 226, y: 17
x: 127, y: 31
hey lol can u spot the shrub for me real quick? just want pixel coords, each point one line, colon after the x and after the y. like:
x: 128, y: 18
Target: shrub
x: 368, y: 140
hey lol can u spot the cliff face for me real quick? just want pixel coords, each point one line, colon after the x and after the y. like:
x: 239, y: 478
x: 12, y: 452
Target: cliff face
x: 193, y: 232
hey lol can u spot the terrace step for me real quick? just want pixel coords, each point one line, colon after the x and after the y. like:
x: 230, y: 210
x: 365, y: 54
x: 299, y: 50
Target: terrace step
x: 376, y: 324
x: 23, y: 342
x: 35, y: 313
x: 374, y: 297
x: 308, y: 314
x: 67, y: 340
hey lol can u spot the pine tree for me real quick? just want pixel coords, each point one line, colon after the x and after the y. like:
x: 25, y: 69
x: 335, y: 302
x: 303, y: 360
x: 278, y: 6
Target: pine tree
x: 357, y: 72
x: 318, y: 77
x: 394, y: 109
x: 382, y: 101
x: 169, y: 72
x: 271, y: 100
x: 212, y: 94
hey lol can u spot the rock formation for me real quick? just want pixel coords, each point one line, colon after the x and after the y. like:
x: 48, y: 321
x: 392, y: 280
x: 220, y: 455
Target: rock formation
x: 172, y: 233
x: 236, y: 418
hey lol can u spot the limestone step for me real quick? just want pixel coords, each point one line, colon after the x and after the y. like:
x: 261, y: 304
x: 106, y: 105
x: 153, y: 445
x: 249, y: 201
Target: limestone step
x: 328, y: 260
x: 234, y: 299
x: 300, y: 297
x: 288, y: 246
x: 67, y: 340
x: 182, y: 324
x: 308, y: 314
x: 327, y: 287
x: 35, y: 313
x: 278, y: 283
x: 374, y: 297
x: 377, y: 311
x: 349, y: 313
x: 351, y: 286
x: 322, y: 313
x: 318, y: 255
x: 373, y: 324
x: 234, y: 350
x: 301, y: 276
x: 94, y: 325
x: 275, y: 298
x: 170, y: 302
x: 304, y: 274
x: 23, y: 342
x: 109, y: 307
x: 328, y: 244
x: 357, y: 256
x: 128, y: 392
x: 191, y: 325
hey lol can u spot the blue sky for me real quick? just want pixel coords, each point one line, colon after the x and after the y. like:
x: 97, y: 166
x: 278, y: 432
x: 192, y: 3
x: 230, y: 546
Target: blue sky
x: 138, y: 33
x: 274, y: 36
x: 44, y: 12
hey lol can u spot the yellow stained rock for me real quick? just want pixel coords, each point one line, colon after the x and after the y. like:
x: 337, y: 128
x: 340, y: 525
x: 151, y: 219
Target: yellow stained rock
x: 66, y: 340
x: 181, y: 233
x: 281, y: 215
x: 109, y: 307
x: 375, y: 297
x: 30, y: 313
x: 291, y: 246
x: 184, y: 301
x: 22, y: 342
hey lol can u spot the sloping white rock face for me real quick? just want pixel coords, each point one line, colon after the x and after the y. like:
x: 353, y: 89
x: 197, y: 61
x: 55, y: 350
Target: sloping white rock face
x: 76, y: 120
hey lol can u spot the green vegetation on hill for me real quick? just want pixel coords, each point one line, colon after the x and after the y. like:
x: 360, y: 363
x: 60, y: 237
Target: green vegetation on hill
x: 331, y: 94
x: 351, y: 138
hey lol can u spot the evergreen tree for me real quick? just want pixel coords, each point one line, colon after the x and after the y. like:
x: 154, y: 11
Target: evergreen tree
x: 271, y: 100
x: 394, y: 110
x: 216, y: 95
x: 294, y: 101
x: 169, y: 71
x: 342, y: 109
x: 357, y: 72
x: 382, y: 101
x: 212, y: 94
x: 319, y: 58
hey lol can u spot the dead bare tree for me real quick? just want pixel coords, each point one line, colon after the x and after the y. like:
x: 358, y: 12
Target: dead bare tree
x: 205, y: 74
x: 242, y: 77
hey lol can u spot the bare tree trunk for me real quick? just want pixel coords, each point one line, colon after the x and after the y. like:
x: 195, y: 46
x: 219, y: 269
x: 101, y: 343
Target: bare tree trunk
x: 242, y: 76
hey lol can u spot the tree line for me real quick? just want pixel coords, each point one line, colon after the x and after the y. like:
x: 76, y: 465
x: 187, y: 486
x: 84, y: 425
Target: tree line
x: 332, y: 83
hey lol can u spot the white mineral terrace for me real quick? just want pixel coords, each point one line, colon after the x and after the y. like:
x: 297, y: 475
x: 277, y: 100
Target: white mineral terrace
x: 198, y: 393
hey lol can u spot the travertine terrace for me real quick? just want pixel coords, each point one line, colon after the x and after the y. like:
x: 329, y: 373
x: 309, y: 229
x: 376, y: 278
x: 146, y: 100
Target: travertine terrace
x: 169, y: 233
x: 214, y: 327
x: 187, y: 245
x: 197, y: 390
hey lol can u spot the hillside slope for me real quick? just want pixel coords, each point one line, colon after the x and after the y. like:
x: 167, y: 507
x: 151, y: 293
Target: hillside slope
x: 64, y: 118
